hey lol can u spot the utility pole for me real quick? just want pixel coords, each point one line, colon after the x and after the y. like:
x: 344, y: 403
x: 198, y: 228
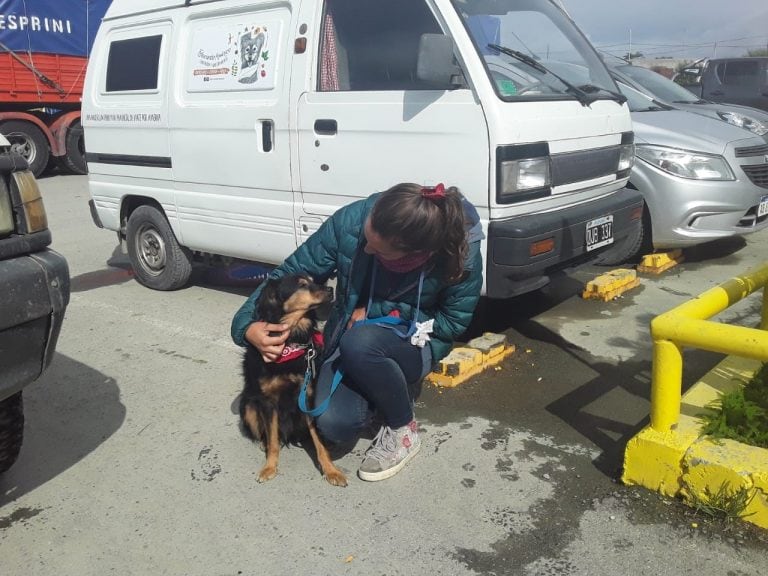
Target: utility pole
x: 629, y: 54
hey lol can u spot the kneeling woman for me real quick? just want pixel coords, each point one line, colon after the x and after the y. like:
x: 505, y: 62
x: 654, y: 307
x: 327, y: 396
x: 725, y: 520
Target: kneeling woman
x: 409, y: 274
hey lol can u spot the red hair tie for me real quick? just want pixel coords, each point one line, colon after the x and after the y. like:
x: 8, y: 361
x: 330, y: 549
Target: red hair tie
x: 436, y: 193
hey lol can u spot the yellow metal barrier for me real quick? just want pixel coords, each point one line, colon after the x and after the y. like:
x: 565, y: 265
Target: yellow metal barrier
x: 688, y: 325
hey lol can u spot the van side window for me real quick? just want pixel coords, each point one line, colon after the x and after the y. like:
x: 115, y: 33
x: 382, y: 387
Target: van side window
x: 133, y: 64
x: 741, y: 73
x: 372, y: 44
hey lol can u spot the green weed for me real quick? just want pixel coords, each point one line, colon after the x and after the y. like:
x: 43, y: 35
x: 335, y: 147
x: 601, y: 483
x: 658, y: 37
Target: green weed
x: 725, y: 504
x: 741, y: 414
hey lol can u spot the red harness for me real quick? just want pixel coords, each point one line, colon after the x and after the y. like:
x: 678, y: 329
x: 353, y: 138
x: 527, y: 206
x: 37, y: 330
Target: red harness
x: 293, y: 351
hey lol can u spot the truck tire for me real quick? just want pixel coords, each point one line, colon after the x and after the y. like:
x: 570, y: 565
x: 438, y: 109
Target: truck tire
x: 631, y: 248
x: 74, y: 159
x: 28, y: 141
x: 159, y: 261
x: 11, y: 430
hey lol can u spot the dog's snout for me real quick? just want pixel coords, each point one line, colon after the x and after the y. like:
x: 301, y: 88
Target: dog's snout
x: 329, y: 291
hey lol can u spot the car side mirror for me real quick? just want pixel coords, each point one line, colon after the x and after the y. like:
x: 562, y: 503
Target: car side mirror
x: 436, y: 64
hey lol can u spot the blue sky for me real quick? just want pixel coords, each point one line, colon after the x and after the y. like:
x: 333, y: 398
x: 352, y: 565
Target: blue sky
x: 677, y: 28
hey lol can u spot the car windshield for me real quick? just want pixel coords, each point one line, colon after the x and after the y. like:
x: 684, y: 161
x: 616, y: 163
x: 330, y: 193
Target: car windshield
x: 527, y: 44
x: 659, y: 86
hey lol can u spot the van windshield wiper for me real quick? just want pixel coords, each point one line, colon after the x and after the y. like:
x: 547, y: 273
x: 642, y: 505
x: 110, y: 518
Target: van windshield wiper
x: 583, y: 97
x: 591, y: 88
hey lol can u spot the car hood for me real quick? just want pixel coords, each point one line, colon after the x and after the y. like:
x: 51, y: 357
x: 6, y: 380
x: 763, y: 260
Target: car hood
x: 712, y: 108
x: 680, y: 129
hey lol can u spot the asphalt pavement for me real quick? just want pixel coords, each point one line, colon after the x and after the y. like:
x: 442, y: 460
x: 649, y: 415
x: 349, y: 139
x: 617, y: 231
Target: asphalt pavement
x: 133, y: 461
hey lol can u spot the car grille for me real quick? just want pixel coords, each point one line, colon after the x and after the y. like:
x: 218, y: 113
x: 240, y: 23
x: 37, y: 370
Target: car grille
x: 745, y: 151
x: 758, y: 174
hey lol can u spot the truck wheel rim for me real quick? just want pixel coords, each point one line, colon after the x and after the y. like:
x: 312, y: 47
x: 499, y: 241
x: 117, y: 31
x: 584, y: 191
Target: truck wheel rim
x: 22, y: 145
x: 150, y: 248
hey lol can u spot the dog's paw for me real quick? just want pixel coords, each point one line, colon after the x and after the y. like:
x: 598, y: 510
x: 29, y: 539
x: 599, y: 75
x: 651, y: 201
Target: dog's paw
x: 336, y: 478
x: 267, y: 473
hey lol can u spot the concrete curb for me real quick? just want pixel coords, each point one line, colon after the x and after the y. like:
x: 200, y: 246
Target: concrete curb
x: 684, y: 463
x: 463, y: 362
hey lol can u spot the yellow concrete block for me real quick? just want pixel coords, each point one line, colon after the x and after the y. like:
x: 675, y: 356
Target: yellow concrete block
x: 660, y: 262
x: 611, y: 284
x: 654, y: 459
x: 708, y: 464
x: 460, y: 360
x: 494, y: 347
x: 466, y: 361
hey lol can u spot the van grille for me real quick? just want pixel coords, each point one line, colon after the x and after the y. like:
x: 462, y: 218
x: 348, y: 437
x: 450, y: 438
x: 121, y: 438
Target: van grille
x: 758, y: 174
x: 752, y: 151
x: 572, y: 167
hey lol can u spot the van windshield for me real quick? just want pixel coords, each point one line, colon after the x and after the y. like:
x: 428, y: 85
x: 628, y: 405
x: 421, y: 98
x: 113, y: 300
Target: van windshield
x: 544, y: 35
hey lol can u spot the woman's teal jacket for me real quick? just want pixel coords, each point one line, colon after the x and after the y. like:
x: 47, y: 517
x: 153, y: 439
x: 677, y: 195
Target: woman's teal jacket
x: 337, y: 248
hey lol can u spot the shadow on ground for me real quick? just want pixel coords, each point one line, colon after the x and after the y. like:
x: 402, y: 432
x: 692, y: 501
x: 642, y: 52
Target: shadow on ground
x: 69, y: 412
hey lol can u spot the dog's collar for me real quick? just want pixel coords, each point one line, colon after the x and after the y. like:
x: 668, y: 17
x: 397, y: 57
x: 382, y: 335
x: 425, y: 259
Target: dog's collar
x: 292, y: 351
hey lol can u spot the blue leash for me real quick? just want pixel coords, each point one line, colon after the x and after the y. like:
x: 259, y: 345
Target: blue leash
x: 391, y: 322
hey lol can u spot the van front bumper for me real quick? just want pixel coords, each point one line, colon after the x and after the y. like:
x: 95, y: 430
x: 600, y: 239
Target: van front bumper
x: 510, y: 268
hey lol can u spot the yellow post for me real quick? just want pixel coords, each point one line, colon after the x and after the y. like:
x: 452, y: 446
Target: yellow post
x: 666, y: 385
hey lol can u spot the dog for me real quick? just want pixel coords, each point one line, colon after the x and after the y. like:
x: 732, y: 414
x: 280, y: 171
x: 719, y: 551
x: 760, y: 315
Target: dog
x: 268, y: 405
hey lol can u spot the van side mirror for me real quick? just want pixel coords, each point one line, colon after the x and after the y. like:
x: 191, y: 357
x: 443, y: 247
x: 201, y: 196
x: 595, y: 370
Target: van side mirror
x: 436, y: 64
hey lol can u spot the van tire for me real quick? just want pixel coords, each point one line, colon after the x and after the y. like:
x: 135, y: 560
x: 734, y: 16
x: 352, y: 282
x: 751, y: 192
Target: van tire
x: 631, y: 248
x: 29, y: 142
x: 159, y: 261
x: 11, y: 430
x: 73, y: 160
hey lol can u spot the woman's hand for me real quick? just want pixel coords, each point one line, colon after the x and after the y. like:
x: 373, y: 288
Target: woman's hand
x: 358, y: 314
x: 269, y: 339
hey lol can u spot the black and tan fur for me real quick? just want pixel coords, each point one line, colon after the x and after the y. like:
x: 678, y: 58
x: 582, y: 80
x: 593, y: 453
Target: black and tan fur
x: 268, y: 404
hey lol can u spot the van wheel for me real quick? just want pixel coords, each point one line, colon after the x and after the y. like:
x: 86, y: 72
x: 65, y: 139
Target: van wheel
x: 631, y: 248
x: 73, y: 160
x: 11, y: 430
x: 28, y: 141
x: 159, y: 261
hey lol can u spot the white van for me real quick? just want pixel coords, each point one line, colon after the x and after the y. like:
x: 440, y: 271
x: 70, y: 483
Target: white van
x: 235, y: 127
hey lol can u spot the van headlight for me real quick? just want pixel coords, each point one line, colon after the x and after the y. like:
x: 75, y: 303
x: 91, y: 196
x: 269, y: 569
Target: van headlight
x: 524, y: 175
x: 626, y: 157
x: 742, y: 121
x: 686, y: 164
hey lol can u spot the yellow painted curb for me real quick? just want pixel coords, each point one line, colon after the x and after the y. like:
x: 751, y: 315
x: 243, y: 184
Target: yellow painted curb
x: 684, y: 463
x: 466, y: 361
x: 610, y: 285
x: 660, y: 261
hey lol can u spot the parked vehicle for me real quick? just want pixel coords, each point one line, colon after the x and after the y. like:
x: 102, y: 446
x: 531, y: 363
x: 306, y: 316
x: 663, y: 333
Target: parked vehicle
x: 662, y: 89
x: 736, y: 81
x: 250, y: 122
x: 702, y: 179
x: 34, y: 292
x: 44, y: 47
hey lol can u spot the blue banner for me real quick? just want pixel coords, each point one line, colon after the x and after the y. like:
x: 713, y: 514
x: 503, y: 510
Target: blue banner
x: 52, y: 26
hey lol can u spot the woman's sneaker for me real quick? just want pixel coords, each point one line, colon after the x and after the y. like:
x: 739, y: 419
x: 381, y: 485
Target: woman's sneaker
x: 390, y: 450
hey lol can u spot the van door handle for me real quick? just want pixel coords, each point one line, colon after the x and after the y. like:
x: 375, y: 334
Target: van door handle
x: 717, y: 93
x: 326, y: 127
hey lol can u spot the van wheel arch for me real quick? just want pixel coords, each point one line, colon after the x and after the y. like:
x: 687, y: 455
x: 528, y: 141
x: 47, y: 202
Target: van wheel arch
x: 159, y: 261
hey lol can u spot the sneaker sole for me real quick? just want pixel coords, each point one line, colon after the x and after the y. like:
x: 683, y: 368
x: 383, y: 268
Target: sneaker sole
x: 389, y: 472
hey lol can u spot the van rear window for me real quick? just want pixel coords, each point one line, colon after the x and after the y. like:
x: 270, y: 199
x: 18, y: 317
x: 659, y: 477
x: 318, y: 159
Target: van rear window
x: 133, y: 64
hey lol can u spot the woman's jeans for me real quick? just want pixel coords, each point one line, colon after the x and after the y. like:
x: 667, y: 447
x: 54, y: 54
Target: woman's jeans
x: 382, y: 373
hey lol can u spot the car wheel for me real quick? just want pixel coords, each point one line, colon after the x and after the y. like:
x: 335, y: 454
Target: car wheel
x: 28, y: 141
x: 11, y: 430
x: 631, y: 248
x: 74, y: 159
x: 159, y: 261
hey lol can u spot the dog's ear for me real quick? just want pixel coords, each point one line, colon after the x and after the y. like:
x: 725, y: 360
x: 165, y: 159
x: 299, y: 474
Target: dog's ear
x: 270, y: 307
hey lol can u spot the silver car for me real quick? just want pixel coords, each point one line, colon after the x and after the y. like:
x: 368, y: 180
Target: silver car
x: 660, y: 88
x: 702, y: 178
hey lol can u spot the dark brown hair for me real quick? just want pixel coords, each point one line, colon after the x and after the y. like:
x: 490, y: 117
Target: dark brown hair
x: 413, y: 222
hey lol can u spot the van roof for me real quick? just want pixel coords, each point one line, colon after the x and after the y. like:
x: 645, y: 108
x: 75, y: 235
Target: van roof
x: 120, y: 8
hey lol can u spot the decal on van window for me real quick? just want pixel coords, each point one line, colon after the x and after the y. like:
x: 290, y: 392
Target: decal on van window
x: 237, y: 57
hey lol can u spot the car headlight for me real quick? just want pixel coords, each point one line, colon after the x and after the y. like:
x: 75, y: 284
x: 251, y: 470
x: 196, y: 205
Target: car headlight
x: 686, y: 164
x: 524, y: 175
x: 742, y: 121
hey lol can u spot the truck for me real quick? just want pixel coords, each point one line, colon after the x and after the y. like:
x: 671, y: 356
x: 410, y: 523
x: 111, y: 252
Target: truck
x: 34, y: 293
x: 44, y: 49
